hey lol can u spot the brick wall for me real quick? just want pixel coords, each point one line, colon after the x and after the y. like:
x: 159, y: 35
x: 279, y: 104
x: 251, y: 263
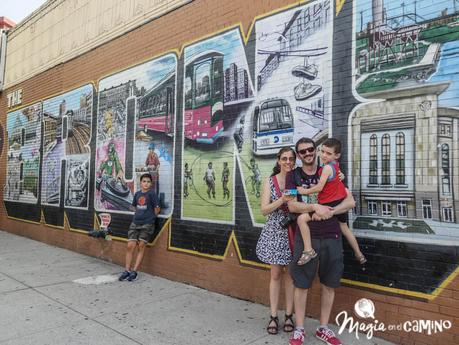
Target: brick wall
x: 413, y: 257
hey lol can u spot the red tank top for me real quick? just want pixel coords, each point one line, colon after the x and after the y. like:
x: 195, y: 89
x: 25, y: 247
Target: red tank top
x: 334, y: 189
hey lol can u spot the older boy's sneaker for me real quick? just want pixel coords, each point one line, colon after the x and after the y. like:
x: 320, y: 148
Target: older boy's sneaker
x: 124, y: 276
x: 297, y: 337
x: 132, y: 276
x: 327, y: 336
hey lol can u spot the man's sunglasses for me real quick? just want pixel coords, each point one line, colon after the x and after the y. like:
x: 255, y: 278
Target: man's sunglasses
x: 309, y: 150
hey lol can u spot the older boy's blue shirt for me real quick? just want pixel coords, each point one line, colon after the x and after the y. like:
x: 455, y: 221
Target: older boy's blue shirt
x: 145, y: 204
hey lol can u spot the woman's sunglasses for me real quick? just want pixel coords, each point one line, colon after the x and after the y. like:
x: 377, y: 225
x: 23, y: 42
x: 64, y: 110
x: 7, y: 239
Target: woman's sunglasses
x: 309, y: 150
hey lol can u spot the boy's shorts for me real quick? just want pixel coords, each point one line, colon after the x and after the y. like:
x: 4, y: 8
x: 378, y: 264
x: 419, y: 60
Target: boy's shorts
x: 343, y: 217
x: 329, y: 261
x: 141, y: 232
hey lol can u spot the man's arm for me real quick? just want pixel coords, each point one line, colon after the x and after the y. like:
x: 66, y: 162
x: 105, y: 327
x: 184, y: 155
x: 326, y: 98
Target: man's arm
x: 347, y: 204
x: 296, y: 206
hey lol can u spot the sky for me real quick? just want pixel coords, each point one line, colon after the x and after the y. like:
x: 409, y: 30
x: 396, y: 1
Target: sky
x: 17, y: 10
x: 425, y: 9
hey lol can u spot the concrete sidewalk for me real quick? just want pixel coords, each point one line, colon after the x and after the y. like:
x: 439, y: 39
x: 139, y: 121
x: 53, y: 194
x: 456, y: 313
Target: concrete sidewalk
x: 50, y: 295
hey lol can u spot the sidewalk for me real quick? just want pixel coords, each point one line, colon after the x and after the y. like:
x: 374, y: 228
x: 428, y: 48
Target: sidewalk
x: 50, y: 295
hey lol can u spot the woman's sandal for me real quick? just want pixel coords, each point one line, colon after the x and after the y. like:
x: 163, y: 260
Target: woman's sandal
x: 361, y: 259
x: 288, y: 327
x: 306, y: 256
x: 273, y: 329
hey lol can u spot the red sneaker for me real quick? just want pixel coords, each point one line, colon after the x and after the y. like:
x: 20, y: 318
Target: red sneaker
x: 327, y: 336
x: 297, y: 337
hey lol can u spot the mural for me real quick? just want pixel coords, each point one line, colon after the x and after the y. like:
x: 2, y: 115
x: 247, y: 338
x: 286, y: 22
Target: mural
x: 405, y: 147
x: 66, y: 135
x: 218, y: 93
x: 135, y: 134
x: 294, y: 88
x: 22, y: 172
x: 244, y: 99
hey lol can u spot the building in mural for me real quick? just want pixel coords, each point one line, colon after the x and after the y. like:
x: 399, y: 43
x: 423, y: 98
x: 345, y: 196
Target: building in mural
x: 135, y: 133
x: 67, y: 122
x: 22, y: 184
x: 404, y: 147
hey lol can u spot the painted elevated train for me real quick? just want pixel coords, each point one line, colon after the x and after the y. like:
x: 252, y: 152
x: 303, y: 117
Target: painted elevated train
x: 203, y: 120
x: 157, y: 107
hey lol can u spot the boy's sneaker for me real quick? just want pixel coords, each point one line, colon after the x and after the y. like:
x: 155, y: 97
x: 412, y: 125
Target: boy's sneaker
x: 327, y: 336
x: 297, y: 337
x: 124, y: 276
x: 132, y: 276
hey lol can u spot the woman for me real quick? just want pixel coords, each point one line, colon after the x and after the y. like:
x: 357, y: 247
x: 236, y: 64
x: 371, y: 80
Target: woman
x: 272, y: 246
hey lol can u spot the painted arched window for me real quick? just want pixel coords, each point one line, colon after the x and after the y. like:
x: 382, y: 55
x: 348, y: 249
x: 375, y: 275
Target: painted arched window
x: 385, y: 159
x: 445, y: 170
x: 400, y: 158
x: 373, y: 159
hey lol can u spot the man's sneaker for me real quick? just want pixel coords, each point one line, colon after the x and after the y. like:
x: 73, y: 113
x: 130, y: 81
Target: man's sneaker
x: 124, y: 276
x: 132, y: 276
x: 297, y: 337
x: 327, y: 336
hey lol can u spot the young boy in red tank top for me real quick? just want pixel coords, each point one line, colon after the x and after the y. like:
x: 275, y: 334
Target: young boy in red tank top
x: 331, y: 192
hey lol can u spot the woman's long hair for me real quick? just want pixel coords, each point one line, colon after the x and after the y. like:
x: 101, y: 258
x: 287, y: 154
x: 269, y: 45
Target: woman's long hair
x: 277, y: 169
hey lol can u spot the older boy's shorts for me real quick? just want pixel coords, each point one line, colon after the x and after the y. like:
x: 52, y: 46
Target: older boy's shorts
x: 329, y: 260
x: 141, y: 232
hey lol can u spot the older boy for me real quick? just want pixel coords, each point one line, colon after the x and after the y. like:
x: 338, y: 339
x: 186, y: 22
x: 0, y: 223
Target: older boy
x: 146, y: 207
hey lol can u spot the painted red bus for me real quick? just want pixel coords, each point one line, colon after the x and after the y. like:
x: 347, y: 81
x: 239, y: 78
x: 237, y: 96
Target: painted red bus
x: 157, y: 106
x: 203, y: 118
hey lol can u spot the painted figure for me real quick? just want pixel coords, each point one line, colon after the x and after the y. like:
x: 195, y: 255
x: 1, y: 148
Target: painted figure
x: 112, y: 165
x: 209, y: 178
x: 108, y: 121
x: 225, y: 179
x: 255, y: 178
x: 152, y: 164
x: 187, y: 176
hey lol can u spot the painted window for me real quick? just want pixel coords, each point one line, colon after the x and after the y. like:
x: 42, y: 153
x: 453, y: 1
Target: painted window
x: 372, y: 207
x: 427, y: 209
x: 445, y: 170
x: 373, y: 159
x: 400, y: 158
x: 448, y: 214
x: 386, y: 208
x: 402, y: 209
x: 385, y: 159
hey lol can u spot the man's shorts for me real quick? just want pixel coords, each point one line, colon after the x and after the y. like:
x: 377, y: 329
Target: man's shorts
x: 329, y: 255
x: 141, y: 232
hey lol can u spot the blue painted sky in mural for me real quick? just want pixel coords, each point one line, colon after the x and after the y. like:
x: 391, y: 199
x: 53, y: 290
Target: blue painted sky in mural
x: 147, y: 74
x: 72, y: 100
x: 425, y: 9
x: 448, y: 70
x: 229, y: 44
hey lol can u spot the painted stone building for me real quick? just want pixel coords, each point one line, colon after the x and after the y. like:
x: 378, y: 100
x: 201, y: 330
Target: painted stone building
x: 202, y: 94
x: 405, y: 159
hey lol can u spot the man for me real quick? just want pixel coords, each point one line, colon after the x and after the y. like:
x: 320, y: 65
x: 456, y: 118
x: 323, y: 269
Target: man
x: 326, y: 241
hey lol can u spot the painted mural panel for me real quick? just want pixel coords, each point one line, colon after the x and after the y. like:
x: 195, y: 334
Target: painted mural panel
x: 23, y: 166
x: 218, y: 93
x: 66, y: 136
x: 294, y: 86
x: 405, y: 151
x: 135, y: 134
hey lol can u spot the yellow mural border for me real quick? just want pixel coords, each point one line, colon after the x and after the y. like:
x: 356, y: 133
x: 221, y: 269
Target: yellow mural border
x: 410, y: 293
x: 178, y: 52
